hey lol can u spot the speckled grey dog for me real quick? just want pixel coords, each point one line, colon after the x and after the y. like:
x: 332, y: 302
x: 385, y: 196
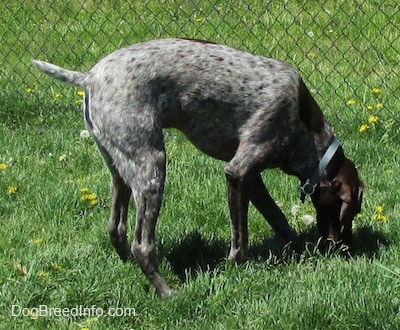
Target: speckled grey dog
x: 250, y: 111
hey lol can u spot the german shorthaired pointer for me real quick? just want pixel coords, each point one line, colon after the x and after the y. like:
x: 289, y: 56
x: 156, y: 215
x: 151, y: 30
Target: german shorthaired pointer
x: 249, y: 111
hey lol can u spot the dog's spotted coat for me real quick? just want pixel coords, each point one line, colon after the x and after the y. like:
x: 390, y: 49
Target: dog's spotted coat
x: 249, y: 111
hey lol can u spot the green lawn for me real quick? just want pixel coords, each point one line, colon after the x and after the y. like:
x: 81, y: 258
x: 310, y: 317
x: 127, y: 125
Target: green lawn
x: 54, y: 186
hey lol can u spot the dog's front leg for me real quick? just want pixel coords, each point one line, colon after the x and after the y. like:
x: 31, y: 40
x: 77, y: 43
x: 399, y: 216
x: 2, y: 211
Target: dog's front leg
x: 238, y: 199
x: 265, y: 204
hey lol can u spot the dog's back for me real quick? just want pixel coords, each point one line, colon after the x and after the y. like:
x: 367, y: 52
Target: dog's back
x: 211, y: 92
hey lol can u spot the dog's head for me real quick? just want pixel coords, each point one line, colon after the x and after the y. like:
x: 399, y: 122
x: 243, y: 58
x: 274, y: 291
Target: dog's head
x: 337, y: 201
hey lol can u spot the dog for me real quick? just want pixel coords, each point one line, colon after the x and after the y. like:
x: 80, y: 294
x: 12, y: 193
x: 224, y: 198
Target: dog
x: 250, y: 111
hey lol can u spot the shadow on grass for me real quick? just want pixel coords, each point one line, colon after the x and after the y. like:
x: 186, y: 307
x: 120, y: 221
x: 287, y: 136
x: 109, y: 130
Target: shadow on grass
x: 367, y: 242
x: 194, y: 253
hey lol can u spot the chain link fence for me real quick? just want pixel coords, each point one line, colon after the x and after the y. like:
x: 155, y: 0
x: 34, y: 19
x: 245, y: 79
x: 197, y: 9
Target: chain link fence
x: 348, y: 52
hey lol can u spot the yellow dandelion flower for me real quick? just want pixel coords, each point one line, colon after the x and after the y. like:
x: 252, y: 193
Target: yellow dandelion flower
x: 29, y: 90
x: 3, y: 166
x: 11, y: 190
x: 310, y: 54
x: 78, y: 101
x: 351, y: 102
x: 370, y: 107
x: 372, y: 119
x: 84, y: 328
x: 89, y: 197
x: 198, y: 19
x: 57, y: 267
x: 80, y: 92
x: 37, y: 241
x: 379, y: 214
x: 376, y: 90
x: 380, y: 217
x: 363, y: 128
x: 379, y: 106
x: 42, y: 274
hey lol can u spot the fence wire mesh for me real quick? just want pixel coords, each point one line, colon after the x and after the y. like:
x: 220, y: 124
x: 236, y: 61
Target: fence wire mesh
x: 347, y: 51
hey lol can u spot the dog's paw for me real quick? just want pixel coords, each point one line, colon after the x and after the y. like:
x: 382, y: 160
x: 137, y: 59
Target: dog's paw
x: 239, y: 256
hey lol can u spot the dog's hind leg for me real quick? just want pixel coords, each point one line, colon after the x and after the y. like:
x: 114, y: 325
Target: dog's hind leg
x: 142, y: 174
x: 147, y: 192
x: 262, y: 200
x: 121, y: 194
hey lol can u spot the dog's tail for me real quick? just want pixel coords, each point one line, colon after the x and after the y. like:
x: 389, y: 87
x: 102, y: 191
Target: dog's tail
x: 71, y: 77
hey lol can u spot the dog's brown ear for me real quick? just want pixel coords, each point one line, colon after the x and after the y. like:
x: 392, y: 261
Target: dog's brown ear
x: 349, y: 189
x: 343, y: 191
x: 351, y: 196
x: 359, y: 194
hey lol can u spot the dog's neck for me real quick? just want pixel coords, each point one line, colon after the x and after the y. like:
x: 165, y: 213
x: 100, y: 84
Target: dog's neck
x: 333, y: 167
x: 327, y: 168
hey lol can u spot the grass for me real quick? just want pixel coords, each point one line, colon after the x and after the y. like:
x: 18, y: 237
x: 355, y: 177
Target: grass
x: 55, y: 247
